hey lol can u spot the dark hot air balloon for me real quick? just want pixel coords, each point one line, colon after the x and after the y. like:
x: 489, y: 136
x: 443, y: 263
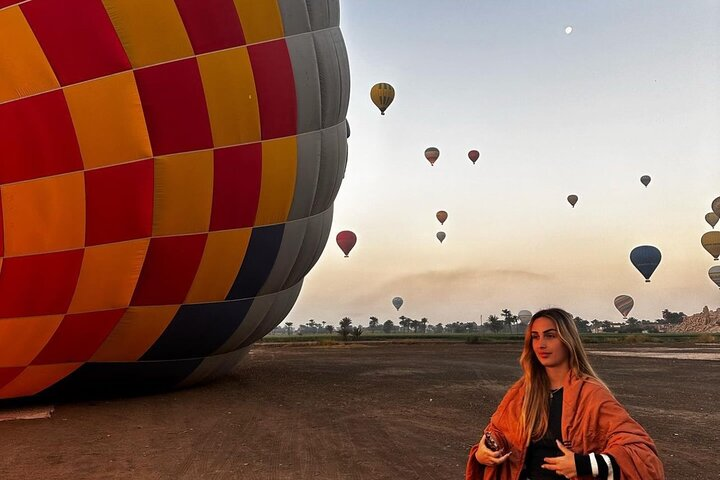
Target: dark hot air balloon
x: 397, y: 302
x: 646, y: 259
x: 716, y: 206
x: 645, y: 180
x: 473, y: 155
x: 346, y: 241
x: 432, y: 154
x: 572, y: 199
x: 441, y: 236
x: 711, y: 219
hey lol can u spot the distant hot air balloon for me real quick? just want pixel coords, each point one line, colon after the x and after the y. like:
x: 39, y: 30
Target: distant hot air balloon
x: 382, y: 95
x: 432, y: 154
x: 397, y: 302
x: 440, y: 236
x: 716, y: 206
x: 714, y: 274
x: 525, y: 316
x: 645, y: 180
x: 646, y: 258
x: 346, y: 241
x: 712, y: 219
x: 624, y: 303
x: 441, y: 216
x: 473, y: 155
x: 572, y: 199
x: 711, y: 242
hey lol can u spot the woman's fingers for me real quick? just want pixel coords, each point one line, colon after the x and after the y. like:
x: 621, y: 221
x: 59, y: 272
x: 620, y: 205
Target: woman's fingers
x: 500, y: 460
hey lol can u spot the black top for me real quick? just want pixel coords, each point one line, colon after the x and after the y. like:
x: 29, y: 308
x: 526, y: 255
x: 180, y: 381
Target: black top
x: 546, y: 446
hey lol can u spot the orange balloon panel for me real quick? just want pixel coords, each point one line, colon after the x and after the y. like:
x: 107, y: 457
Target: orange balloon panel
x: 167, y: 176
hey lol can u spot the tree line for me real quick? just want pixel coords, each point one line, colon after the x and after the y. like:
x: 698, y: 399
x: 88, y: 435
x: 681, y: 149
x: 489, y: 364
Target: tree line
x: 506, y: 322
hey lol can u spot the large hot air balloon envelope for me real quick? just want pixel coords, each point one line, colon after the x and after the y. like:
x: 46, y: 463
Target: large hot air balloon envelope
x: 714, y: 274
x: 382, y: 95
x: 432, y: 154
x: 441, y: 216
x: 572, y: 200
x: 346, y: 240
x: 716, y: 206
x: 167, y: 178
x: 645, y: 180
x: 440, y: 236
x: 711, y: 242
x: 646, y: 259
x: 397, y: 302
x: 525, y: 316
x: 711, y: 219
x: 624, y: 304
x: 473, y: 155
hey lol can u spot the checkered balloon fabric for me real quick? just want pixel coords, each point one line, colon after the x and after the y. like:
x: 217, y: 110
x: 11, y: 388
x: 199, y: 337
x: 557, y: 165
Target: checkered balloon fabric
x: 167, y: 175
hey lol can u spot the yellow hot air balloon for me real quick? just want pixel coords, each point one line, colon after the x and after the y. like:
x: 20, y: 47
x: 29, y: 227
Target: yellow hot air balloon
x: 382, y: 95
x: 711, y: 242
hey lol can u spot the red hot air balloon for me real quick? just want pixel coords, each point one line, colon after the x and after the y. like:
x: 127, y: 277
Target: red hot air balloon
x: 473, y: 155
x: 346, y: 241
x: 441, y: 216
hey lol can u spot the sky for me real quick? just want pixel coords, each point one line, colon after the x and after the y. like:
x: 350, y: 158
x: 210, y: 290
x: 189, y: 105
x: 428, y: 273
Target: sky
x: 632, y: 91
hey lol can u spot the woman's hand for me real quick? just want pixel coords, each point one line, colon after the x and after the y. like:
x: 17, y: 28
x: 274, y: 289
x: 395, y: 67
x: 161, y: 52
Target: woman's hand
x: 487, y: 457
x: 563, y: 465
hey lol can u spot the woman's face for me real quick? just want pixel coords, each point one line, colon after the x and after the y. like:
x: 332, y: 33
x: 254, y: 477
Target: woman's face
x: 546, y: 343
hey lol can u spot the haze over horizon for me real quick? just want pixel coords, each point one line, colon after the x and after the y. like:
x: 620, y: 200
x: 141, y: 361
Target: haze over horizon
x: 631, y: 91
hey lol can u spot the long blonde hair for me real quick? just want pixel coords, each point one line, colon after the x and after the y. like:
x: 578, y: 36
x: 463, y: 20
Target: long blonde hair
x: 535, y: 408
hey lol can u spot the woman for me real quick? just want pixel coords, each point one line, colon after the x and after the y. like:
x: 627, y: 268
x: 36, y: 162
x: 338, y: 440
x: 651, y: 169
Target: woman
x: 560, y: 420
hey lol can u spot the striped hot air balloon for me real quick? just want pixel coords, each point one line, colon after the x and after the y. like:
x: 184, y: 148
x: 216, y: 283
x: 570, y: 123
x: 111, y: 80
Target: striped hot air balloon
x: 711, y: 242
x: 382, y: 95
x: 167, y: 177
x: 624, y: 304
x: 714, y: 274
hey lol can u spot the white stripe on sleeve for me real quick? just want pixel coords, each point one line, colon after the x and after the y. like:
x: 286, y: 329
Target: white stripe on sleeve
x: 611, y: 474
x: 594, y: 465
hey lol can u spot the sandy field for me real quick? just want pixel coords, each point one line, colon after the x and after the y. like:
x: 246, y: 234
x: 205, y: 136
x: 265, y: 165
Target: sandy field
x: 361, y: 411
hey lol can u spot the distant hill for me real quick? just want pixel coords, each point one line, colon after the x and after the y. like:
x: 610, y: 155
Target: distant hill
x: 706, y: 321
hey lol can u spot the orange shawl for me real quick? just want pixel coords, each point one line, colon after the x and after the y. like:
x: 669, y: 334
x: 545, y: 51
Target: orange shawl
x: 592, y: 421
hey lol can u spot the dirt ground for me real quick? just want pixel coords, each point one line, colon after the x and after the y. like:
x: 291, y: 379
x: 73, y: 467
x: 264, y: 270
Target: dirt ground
x: 366, y: 411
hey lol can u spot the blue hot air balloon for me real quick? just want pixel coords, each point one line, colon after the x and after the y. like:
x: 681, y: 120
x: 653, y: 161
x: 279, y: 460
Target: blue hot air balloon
x: 646, y: 258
